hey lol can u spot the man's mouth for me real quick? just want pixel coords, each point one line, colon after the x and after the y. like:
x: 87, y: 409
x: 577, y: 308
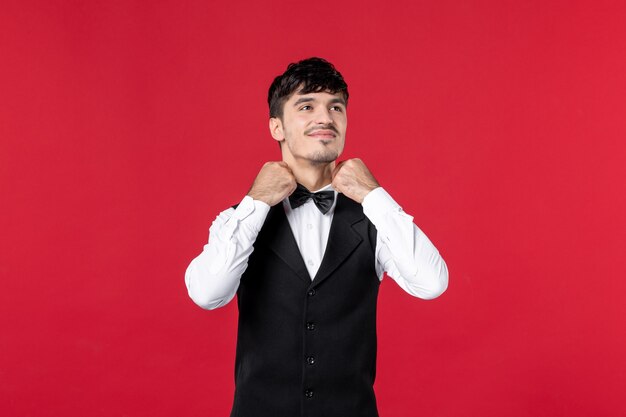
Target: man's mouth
x: 322, y: 134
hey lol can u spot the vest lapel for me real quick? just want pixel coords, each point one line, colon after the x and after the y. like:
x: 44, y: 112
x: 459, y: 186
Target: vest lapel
x: 283, y: 242
x: 342, y: 239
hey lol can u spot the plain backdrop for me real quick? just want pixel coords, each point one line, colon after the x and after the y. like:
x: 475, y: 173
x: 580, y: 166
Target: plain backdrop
x: 127, y: 126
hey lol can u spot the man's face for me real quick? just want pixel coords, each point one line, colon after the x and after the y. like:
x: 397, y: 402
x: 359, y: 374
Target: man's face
x: 313, y: 127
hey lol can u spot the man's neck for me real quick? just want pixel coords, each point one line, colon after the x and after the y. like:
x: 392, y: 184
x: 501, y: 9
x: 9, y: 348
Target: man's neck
x: 313, y: 177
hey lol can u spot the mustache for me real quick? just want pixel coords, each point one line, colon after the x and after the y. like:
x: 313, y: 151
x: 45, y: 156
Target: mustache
x: 329, y: 127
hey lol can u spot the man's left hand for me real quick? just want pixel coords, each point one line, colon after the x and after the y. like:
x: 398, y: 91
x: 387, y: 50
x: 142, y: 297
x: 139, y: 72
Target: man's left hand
x: 352, y: 178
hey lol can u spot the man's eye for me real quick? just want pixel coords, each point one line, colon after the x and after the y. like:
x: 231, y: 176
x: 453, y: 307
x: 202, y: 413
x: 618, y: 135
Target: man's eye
x: 337, y: 107
x: 304, y: 107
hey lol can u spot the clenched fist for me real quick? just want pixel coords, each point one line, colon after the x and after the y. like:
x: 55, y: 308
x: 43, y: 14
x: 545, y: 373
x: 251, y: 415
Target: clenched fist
x: 352, y: 178
x: 274, y: 182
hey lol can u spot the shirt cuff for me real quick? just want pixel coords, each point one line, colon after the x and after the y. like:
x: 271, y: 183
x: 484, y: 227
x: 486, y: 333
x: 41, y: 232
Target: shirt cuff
x: 250, y: 213
x: 377, y: 204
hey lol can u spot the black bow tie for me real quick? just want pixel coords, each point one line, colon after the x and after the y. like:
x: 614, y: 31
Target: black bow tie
x: 322, y: 199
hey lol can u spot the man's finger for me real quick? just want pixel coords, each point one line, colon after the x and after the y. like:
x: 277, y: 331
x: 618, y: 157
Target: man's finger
x: 336, y: 188
x: 336, y: 169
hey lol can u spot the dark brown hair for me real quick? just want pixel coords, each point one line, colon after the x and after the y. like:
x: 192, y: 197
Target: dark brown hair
x: 313, y: 74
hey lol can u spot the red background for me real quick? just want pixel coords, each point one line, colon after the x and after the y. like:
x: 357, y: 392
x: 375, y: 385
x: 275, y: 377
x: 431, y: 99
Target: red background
x: 126, y: 127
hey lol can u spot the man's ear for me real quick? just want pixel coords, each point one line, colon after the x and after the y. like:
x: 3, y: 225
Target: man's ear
x: 276, y: 129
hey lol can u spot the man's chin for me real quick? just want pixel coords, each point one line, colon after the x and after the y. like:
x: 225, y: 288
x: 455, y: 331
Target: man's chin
x: 323, y: 157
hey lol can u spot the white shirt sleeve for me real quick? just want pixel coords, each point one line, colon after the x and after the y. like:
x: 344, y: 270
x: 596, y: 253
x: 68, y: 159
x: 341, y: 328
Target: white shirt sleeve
x: 212, y: 278
x: 402, y: 250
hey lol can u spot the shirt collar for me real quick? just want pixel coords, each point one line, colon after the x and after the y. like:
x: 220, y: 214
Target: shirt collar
x: 326, y: 187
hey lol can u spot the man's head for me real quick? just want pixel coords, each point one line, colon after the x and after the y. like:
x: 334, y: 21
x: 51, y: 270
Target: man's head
x: 307, y: 106
x: 313, y: 74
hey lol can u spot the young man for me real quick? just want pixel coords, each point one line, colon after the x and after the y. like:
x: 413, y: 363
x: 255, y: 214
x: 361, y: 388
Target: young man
x: 306, y: 267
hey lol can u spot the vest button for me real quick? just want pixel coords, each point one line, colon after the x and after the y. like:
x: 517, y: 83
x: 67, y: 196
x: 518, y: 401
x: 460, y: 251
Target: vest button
x: 311, y: 292
x: 308, y: 393
x: 310, y: 326
x: 310, y: 360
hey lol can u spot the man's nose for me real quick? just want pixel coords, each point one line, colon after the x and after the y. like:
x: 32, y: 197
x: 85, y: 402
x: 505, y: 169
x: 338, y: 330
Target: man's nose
x: 323, y: 115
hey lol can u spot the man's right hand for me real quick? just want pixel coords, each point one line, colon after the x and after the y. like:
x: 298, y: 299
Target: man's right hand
x: 274, y: 182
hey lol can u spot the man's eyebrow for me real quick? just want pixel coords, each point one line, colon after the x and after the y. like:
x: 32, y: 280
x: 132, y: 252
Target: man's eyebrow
x: 338, y: 100
x: 302, y: 100
x: 309, y: 99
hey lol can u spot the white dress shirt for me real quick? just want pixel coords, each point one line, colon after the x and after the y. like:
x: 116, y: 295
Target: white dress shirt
x: 402, y: 250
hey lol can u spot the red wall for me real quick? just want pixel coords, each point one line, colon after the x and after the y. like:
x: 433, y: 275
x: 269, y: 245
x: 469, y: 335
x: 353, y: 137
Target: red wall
x: 126, y: 127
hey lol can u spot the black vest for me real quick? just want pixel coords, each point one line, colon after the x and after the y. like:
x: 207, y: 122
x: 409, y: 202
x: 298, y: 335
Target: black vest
x: 308, y: 348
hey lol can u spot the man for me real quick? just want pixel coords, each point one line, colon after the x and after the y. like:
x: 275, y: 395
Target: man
x: 306, y: 268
